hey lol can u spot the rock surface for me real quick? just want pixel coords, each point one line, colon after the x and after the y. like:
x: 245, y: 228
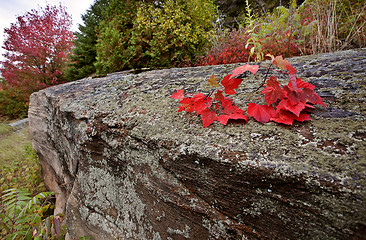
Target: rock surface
x: 19, y: 124
x: 127, y: 165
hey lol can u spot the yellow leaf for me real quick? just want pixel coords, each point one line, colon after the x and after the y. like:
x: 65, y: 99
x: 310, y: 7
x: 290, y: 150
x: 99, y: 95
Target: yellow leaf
x: 213, y: 81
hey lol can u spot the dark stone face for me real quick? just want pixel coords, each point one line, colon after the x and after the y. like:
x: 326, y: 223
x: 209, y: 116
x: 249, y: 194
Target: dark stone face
x: 128, y: 165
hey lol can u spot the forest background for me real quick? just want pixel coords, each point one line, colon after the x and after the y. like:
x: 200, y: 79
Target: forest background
x: 117, y: 35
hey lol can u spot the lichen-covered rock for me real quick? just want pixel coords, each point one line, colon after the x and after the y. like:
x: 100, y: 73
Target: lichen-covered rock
x: 127, y: 165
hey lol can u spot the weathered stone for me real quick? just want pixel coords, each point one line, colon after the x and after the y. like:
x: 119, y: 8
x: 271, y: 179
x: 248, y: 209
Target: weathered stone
x: 19, y: 124
x: 127, y: 165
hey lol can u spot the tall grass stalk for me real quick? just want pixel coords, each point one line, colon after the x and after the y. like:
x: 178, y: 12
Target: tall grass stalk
x: 338, y: 25
x: 358, y: 31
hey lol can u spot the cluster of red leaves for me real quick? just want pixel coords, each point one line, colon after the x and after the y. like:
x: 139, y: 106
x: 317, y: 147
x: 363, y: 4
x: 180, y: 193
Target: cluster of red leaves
x: 230, y: 48
x: 205, y: 107
x: 284, y: 104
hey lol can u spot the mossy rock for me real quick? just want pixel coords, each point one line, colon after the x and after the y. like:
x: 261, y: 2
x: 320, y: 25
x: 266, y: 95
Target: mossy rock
x: 128, y: 165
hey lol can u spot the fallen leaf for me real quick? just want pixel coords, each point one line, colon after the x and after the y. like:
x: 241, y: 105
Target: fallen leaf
x: 179, y: 94
x: 230, y: 84
x: 213, y: 81
x: 261, y: 113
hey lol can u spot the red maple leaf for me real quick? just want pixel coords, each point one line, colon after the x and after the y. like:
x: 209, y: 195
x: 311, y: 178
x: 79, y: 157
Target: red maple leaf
x: 229, y: 108
x: 230, y: 84
x: 272, y: 82
x: 308, y: 95
x: 198, y: 97
x: 283, y: 64
x: 292, y: 95
x: 273, y: 91
x: 223, y: 119
x: 293, y: 82
x: 186, y: 105
x: 261, y: 113
x: 178, y: 95
x: 201, y: 104
x: 208, y: 117
x: 296, y: 109
x: 302, y: 84
x: 219, y: 96
x: 303, y: 117
x: 284, y: 117
x: 288, y: 118
x: 239, y: 70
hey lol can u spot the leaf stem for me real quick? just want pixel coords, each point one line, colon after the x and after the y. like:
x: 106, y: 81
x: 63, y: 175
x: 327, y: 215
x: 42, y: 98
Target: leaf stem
x: 276, y: 70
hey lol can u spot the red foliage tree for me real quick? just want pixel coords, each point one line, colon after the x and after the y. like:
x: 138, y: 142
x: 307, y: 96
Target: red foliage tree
x: 37, y: 47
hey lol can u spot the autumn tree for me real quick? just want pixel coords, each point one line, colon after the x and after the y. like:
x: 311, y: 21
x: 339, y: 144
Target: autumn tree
x: 37, y: 47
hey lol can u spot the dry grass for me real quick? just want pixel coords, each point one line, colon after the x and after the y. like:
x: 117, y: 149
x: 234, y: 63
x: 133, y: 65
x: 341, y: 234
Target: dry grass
x: 340, y: 24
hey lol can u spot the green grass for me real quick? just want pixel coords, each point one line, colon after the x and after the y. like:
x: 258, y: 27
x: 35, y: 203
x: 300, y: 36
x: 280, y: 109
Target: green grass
x: 19, y: 166
x: 25, y: 208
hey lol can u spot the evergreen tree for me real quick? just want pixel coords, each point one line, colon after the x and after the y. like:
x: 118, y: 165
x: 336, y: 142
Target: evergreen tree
x: 84, y: 52
x: 113, y: 45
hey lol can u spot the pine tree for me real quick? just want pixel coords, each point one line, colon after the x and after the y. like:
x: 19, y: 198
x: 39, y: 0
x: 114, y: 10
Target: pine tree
x: 84, y: 52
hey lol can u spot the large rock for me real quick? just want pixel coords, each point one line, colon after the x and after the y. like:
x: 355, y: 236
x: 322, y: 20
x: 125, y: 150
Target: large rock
x: 127, y: 165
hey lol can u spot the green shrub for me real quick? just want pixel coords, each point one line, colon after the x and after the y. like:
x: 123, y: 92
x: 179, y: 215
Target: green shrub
x: 153, y: 33
x: 13, y: 103
x: 14, y: 97
x: 113, y: 48
x: 19, y: 164
x: 173, y: 32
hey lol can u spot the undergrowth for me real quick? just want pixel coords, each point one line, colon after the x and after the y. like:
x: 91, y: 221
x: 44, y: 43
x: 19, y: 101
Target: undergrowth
x: 19, y: 162
x: 26, y: 217
x: 315, y: 26
x: 26, y: 209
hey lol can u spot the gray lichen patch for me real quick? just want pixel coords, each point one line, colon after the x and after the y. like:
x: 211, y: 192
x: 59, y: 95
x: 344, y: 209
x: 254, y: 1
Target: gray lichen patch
x: 105, y: 194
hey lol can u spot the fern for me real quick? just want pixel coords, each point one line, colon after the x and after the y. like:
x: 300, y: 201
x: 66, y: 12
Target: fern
x: 21, y: 216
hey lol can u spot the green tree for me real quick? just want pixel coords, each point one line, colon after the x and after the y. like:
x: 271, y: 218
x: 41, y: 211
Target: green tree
x: 114, y: 36
x: 175, y: 31
x: 84, y: 52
